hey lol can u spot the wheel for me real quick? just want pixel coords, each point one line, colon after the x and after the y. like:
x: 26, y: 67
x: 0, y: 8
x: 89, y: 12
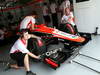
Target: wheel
x: 34, y: 47
x: 67, y: 28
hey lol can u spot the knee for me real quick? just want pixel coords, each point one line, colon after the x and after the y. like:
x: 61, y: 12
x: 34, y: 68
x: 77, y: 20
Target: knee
x: 26, y: 56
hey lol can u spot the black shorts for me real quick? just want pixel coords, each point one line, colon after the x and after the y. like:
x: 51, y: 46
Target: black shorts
x: 19, y: 58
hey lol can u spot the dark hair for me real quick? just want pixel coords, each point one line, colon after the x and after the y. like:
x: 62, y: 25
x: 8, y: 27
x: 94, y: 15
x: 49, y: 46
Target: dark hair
x: 34, y: 13
x: 44, y: 3
x: 22, y: 31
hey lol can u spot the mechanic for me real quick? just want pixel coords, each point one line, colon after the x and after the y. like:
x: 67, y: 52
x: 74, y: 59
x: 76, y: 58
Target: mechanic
x: 20, y: 53
x: 28, y: 23
x: 54, y: 16
x: 68, y: 17
x: 46, y: 14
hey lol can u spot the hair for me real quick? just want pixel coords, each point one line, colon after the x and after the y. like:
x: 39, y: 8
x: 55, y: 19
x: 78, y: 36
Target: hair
x: 34, y: 13
x: 44, y: 3
x: 22, y: 31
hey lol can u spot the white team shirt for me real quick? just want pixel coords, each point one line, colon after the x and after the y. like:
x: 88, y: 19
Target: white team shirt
x: 19, y: 46
x: 68, y: 19
x: 53, y: 7
x: 26, y: 22
x: 45, y: 10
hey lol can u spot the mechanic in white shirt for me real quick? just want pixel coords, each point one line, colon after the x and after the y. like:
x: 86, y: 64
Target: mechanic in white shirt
x: 20, y: 53
x: 68, y: 17
x: 46, y: 15
x: 28, y: 22
x: 53, y: 8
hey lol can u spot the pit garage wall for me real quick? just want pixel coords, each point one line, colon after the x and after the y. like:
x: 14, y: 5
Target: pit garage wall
x: 20, y: 13
x: 87, y: 15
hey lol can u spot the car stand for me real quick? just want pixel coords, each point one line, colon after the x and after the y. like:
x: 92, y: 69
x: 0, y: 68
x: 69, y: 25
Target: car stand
x: 86, y: 67
x: 71, y: 61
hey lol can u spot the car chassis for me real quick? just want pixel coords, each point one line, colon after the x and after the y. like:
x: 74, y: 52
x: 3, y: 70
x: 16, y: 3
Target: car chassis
x: 53, y: 37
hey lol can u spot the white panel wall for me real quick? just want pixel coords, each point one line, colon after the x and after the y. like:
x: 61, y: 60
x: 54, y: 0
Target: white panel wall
x: 87, y: 15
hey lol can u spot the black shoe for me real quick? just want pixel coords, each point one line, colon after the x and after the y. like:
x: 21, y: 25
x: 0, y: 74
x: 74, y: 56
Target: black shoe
x: 30, y: 73
x: 7, y: 67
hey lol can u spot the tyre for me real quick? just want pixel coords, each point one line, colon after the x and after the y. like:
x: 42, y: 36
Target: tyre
x: 34, y: 47
x: 68, y: 28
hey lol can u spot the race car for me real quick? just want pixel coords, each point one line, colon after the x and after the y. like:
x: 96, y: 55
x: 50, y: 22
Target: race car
x: 53, y: 53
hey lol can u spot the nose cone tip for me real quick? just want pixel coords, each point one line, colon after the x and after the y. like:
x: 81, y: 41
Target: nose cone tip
x: 83, y: 39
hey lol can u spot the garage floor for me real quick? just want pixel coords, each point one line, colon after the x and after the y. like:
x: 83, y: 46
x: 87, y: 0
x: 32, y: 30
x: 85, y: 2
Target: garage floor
x: 92, y: 49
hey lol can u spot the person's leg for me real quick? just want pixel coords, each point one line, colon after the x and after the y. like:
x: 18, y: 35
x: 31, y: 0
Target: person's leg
x: 21, y: 59
x: 9, y: 66
x: 55, y: 20
x: 15, y: 57
x: 26, y: 62
x: 15, y: 66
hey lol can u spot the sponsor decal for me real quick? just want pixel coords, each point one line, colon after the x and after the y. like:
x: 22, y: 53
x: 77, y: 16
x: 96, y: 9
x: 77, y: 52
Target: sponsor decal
x: 57, y: 32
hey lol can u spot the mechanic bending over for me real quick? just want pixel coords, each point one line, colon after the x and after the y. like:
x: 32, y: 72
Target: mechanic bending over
x: 20, y: 53
x: 28, y: 23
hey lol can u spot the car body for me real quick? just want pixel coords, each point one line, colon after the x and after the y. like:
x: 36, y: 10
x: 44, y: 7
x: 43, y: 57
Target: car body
x: 60, y: 49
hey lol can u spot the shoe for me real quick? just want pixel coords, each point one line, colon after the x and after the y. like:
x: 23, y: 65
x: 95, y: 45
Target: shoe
x: 30, y: 73
x: 7, y: 67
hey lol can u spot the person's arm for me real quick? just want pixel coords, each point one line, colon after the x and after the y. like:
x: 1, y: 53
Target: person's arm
x: 33, y: 21
x: 32, y: 27
x: 23, y: 49
x: 32, y: 55
x: 34, y: 36
x: 64, y: 19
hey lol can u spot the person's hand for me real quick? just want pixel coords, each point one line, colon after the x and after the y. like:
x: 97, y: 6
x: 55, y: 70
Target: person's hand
x: 39, y: 57
x: 39, y: 38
